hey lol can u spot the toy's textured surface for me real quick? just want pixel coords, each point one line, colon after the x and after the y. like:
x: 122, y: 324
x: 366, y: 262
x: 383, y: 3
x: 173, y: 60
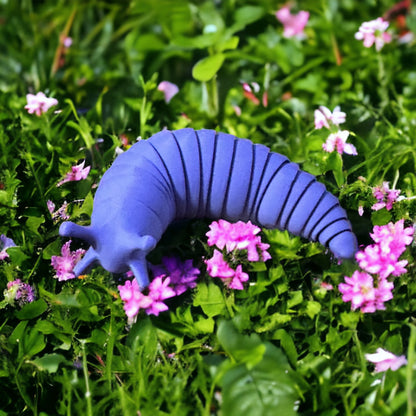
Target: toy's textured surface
x: 195, y: 174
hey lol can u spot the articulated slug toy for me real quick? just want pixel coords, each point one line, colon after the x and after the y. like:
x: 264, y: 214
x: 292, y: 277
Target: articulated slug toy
x: 202, y: 174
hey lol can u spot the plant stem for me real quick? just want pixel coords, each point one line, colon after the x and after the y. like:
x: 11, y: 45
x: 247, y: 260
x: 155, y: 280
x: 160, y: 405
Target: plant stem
x: 87, y: 381
x: 210, y: 97
x: 409, y: 370
x: 29, y: 160
x: 382, y: 78
x: 110, y: 349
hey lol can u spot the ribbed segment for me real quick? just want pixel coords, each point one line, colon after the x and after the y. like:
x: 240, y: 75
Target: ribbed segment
x: 194, y: 174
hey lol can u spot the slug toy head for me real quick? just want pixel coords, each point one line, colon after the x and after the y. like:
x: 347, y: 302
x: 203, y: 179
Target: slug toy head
x: 117, y: 254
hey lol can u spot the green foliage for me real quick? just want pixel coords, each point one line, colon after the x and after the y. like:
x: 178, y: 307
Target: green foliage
x: 286, y: 343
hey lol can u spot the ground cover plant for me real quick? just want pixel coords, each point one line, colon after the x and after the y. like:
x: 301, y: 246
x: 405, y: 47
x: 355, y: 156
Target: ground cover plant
x: 236, y: 319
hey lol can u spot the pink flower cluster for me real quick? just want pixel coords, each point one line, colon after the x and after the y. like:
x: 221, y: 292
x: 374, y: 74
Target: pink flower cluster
x: 385, y: 360
x: 39, y: 103
x: 65, y: 263
x: 324, y: 117
x: 337, y: 140
x: 172, y: 278
x: 234, y: 237
x: 385, y: 197
x: 361, y: 291
x: 365, y: 291
x: 374, y: 32
x: 76, y: 173
x: 218, y: 267
x: 382, y: 258
x: 19, y: 292
x: 238, y: 236
x: 152, y: 303
x: 293, y: 24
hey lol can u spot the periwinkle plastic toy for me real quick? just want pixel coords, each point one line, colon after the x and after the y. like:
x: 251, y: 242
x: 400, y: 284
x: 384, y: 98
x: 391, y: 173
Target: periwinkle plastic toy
x: 202, y: 174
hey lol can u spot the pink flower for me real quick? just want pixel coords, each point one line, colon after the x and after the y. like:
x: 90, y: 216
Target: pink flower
x: 182, y: 274
x: 236, y: 282
x: 218, y: 267
x: 383, y: 257
x: 374, y: 260
x: 39, y: 103
x: 5, y: 243
x: 76, y: 173
x: 359, y: 289
x: 323, y: 117
x: 385, y: 360
x: 385, y: 197
x: 65, y: 264
x: 374, y: 32
x: 393, y: 238
x: 159, y: 290
x: 169, y: 90
x: 338, y: 141
x: 238, y: 236
x: 293, y: 24
x: 133, y: 298
x: 152, y: 303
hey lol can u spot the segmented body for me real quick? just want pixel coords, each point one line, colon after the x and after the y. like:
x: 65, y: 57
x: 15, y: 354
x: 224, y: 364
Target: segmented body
x: 195, y: 174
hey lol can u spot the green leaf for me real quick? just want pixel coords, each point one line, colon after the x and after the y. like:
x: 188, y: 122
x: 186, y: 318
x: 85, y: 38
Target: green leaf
x: 284, y: 245
x: 49, y: 362
x: 17, y: 256
x: 210, y: 298
x: 4, y: 197
x: 17, y: 333
x: 85, y: 208
x: 246, y: 349
x: 206, y: 68
x: 381, y: 217
x: 246, y: 15
x: 334, y: 163
x: 33, y: 223
x: 32, y: 310
x: 84, y: 130
x: 52, y: 249
x: 337, y: 338
x: 266, y: 389
x: 312, y: 308
x: 350, y: 319
x: 143, y: 338
x: 231, y: 43
x: 205, y: 326
x: 287, y: 343
x: 32, y: 343
x: 272, y: 321
x: 296, y: 298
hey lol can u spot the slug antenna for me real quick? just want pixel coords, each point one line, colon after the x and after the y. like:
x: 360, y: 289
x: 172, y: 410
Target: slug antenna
x: 70, y: 229
x: 139, y: 269
x: 86, y: 262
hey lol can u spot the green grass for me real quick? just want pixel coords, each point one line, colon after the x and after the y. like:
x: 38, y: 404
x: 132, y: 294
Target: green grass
x: 283, y: 344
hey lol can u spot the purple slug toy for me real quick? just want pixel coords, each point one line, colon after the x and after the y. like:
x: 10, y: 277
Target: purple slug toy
x: 196, y: 174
